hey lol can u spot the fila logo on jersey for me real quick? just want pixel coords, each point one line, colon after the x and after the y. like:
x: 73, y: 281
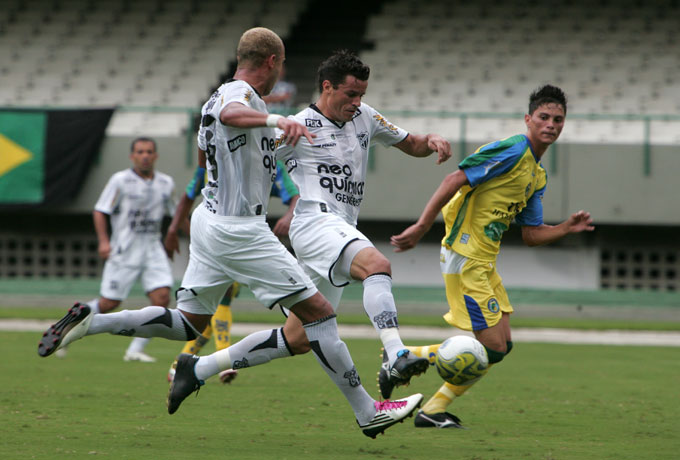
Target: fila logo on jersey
x: 311, y: 123
x: 237, y: 142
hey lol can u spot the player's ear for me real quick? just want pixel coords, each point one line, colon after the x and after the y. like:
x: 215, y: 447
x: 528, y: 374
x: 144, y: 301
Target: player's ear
x: 326, y: 85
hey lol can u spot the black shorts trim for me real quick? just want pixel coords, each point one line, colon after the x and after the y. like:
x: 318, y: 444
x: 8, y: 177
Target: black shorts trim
x: 330, y: 270
x: 286, y: 296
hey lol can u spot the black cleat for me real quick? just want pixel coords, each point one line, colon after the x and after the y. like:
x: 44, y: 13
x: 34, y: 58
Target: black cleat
x: 70, y: 328
x: 184, y: 383
x: 438, y: 420
x: 400, y: 373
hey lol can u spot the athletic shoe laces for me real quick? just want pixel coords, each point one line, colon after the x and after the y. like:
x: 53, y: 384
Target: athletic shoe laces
x: 389, y: 405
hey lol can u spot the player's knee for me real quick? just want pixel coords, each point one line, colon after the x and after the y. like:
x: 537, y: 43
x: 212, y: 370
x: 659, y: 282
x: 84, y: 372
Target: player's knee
x: 380, y: 265
x: 495, y: 356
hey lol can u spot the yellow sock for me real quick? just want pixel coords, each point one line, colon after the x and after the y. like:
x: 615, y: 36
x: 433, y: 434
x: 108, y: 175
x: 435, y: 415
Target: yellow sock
x: 426, y: 351
x: 221, y: 323
x: 445, y: 396
x: 194, y: 346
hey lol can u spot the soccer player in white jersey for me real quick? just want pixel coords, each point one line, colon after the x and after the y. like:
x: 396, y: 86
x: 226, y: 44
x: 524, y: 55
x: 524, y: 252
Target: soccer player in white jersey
x: 231, y: 241
x: 135, y: 200
x: 331, y: 176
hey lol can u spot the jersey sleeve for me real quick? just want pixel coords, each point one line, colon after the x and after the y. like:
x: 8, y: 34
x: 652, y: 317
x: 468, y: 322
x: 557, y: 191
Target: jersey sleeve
x: 110, y: 197
x: 383, y: 131
x: 239, y: 92
x: 493, y: 160
x: 532, y: 214
x: 196, y: 183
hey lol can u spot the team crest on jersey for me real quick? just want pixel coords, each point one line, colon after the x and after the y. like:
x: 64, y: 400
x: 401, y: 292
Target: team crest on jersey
x: 386, y: 124
x: 237, y: 142
x: 493, y: 305
x: 312, y: 123
x: 363, y: 140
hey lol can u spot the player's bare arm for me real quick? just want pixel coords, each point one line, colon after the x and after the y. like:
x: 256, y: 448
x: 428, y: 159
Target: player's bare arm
x: 282, y: 226
x: 101, y: 229
x: 544, y: 234
x: 422, y: 145
x: 240, y: 116
x: 410, y: 237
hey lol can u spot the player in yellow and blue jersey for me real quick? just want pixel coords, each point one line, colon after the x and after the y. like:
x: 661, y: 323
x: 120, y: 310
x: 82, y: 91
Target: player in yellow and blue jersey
x: 501, y: 182
x: 220, y: 323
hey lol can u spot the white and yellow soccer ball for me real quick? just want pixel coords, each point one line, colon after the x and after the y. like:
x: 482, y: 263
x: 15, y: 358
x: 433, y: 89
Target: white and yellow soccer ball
x: 461, y: 360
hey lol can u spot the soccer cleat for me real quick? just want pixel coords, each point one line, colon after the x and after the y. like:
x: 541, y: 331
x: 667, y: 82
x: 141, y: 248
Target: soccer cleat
x: 400, y: 373
x: 390, y: 412
x: 70, y: 328
x: 438, y: 420
x: 184, y: 383
x: 228, y: 376
x: 138, y: 356
x: 61, y: 352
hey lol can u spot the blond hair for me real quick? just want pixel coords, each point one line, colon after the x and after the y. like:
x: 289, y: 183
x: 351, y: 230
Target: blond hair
x: 256, y: 45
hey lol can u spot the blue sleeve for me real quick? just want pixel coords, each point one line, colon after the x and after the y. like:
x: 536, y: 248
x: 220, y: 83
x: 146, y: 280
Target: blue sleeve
x: 196, y: 184
x: 493, y: 160
x: 532, y: 214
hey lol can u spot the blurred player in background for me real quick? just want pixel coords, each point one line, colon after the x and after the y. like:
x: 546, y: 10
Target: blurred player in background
x: 231, y: 241
x: 331, y: 175
x: 282, y: 97
x: 501, y: 182
x: 135, y: 200
x: 221, y: 321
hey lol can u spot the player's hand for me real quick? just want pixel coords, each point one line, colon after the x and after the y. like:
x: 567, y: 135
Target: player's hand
x: 104, y: 249
x: 579, y: 222
x: 440, y: 145
x: 282, y: 226
x: 408, y: 238
x: 171, y: 244
x: 293, y: 131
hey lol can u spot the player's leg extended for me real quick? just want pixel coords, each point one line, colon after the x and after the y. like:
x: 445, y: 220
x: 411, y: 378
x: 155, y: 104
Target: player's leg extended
x: 372, y: 267
x: 135, y: 351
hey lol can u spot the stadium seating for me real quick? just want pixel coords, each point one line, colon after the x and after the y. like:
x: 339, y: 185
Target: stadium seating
x: 448, y: 56
x: 67, y: 53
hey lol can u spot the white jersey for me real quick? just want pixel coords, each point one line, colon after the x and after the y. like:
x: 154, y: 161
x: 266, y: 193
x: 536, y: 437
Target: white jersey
x: 136, y: 206
x: 331, y: 173
x: 240, y: 162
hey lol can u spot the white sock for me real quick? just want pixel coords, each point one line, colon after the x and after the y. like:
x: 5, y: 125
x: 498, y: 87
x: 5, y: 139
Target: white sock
x: 94, y: 305
x: 334, y: 358
x: 147, y: 322
x: 381, y: 310
x: 257, y: 348
x: 137, y: 345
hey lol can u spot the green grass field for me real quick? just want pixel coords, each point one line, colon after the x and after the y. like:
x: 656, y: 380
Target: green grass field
x: 544, y: 402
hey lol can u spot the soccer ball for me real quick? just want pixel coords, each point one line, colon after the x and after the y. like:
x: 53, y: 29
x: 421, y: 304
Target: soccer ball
x: 461, y: 360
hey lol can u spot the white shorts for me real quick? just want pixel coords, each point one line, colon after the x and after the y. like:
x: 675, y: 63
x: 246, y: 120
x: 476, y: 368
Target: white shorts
x: 225, y: 249
x: 319, y: 240
x: 119, y: 275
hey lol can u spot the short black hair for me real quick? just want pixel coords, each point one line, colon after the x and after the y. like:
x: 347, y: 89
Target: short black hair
x: 340, y: 64
x: 547, y: 94
x: 142, y: 139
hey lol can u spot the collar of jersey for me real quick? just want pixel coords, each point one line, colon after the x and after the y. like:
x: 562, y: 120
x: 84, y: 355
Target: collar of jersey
x: 316, y: 109
x: 231, y: 80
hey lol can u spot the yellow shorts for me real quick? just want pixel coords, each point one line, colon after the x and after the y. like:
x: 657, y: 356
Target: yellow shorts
x: 474, y: 290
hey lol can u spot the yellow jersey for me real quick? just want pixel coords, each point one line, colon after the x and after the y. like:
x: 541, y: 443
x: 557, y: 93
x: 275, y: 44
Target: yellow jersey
x: 506, y: 183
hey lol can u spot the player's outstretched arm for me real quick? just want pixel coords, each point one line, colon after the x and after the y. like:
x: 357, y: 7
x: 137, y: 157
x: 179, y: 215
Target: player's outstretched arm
x: 240, y: 116
x: 544, y: 234
x: 419, y: 145
x: 410, y: 237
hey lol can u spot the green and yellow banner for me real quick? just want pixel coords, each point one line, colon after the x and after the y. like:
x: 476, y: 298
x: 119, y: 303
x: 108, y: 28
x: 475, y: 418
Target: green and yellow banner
x: 46, y: 154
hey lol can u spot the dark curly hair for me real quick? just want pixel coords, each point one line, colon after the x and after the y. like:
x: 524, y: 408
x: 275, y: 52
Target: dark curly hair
x: 547, y: 94
x: 340, y: 64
